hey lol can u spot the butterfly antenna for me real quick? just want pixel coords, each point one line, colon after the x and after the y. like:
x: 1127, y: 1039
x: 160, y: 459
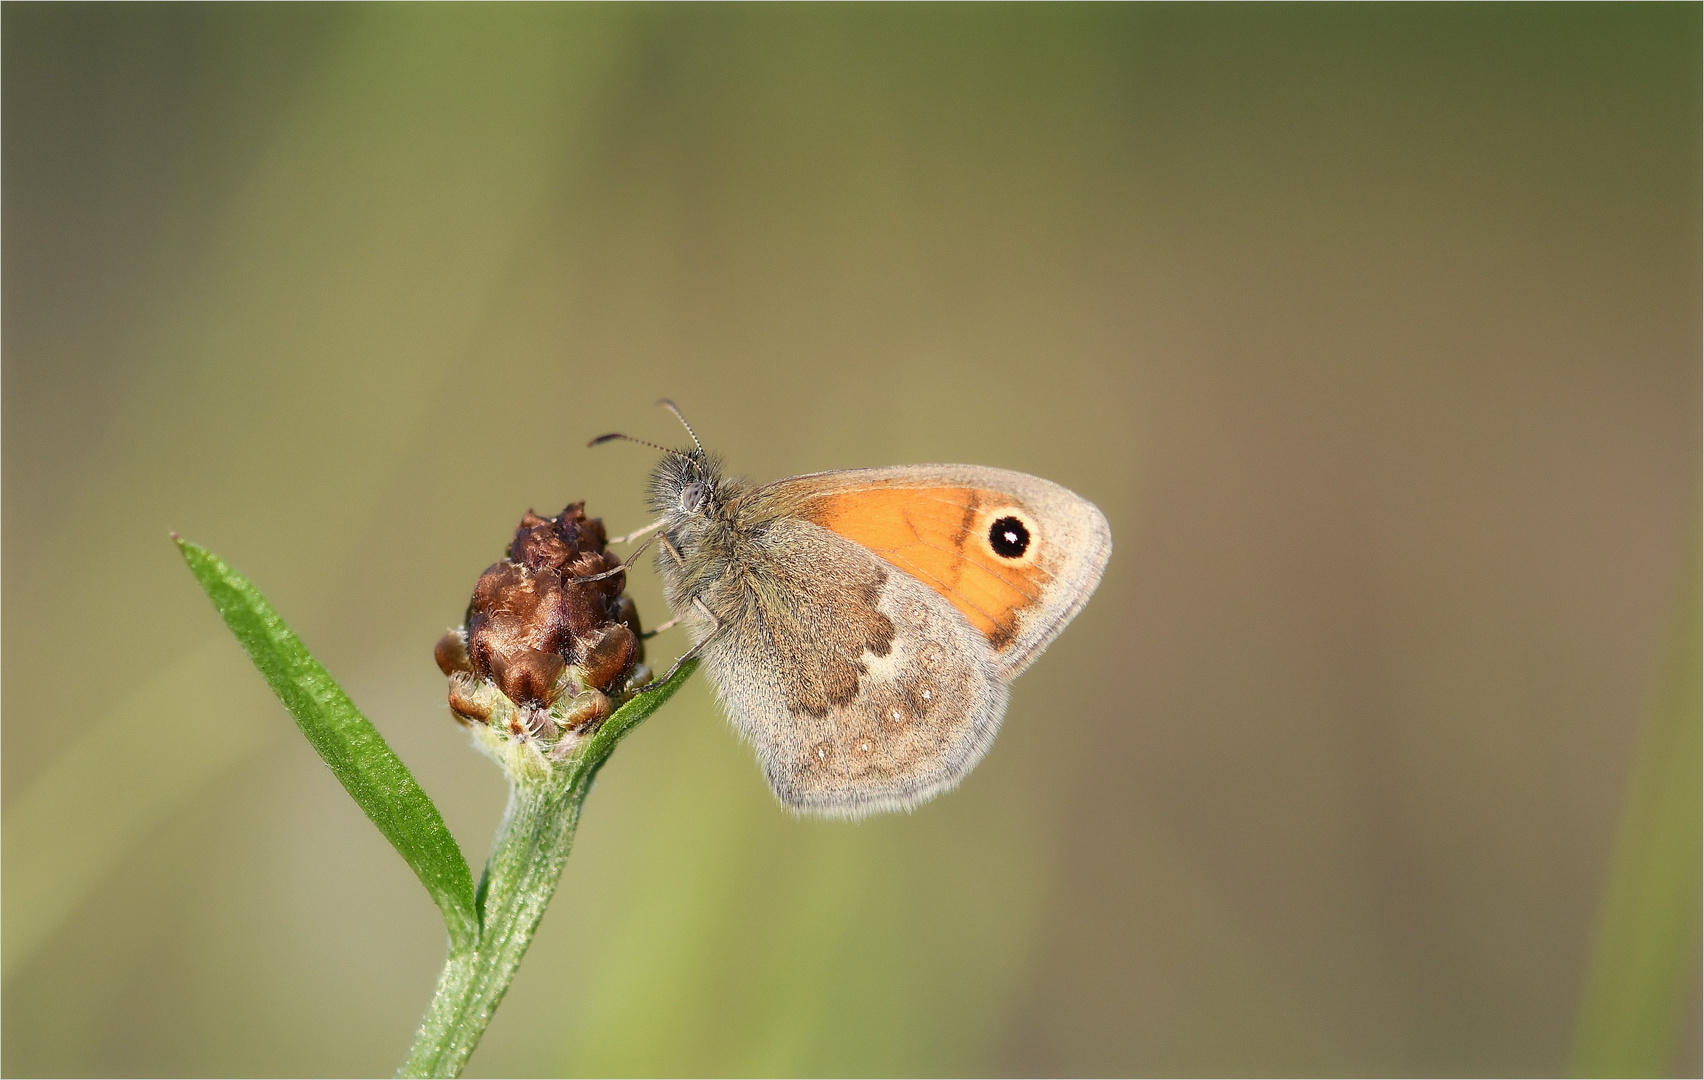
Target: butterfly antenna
x: 672, y: 407
x: 618, y: 435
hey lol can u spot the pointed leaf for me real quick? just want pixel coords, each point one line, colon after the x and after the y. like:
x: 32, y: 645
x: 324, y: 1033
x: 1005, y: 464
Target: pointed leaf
x: 634, y: 713
x: 348, y: 742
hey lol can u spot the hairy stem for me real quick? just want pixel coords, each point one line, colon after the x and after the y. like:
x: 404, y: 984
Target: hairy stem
x: 520, y: 878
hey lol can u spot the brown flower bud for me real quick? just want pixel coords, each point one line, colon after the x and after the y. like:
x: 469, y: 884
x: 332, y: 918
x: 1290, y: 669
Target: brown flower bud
x: 546, y: 653
x: 464, y: 701
x: 451, y: 653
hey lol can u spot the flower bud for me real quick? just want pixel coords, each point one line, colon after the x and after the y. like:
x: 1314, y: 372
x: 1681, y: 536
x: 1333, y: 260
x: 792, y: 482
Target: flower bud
x: 546, y: 654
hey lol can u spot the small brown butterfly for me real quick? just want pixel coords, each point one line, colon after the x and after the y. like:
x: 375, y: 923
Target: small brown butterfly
x: 862, y: 626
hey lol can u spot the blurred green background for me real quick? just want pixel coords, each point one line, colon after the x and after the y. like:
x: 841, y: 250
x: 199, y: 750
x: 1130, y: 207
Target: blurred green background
x: 1374, y: 330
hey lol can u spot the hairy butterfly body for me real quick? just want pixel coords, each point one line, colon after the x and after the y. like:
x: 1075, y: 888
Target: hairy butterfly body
x: 862, y: 626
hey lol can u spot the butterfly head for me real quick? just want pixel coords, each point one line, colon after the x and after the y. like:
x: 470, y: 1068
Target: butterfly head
x: 688, y: 485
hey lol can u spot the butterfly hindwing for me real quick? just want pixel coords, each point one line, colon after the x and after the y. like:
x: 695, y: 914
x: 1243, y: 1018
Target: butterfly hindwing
x: 858, y: 686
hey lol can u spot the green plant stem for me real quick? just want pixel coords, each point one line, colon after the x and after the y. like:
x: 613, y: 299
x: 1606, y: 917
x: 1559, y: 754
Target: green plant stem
x: 520, y: 878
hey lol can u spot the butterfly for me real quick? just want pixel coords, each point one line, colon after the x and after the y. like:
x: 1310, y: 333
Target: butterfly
x: 862, y: 627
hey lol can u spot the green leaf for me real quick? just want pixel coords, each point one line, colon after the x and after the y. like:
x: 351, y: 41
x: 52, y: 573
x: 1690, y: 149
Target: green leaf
x: 632, y: 714
x: 348, y: 742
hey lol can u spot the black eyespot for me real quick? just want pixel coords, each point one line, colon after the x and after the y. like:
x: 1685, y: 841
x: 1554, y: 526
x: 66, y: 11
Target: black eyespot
x: 1008, y: 538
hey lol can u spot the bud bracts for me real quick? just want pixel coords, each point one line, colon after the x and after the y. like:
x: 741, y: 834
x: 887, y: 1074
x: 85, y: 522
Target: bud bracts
x: 548, y: 649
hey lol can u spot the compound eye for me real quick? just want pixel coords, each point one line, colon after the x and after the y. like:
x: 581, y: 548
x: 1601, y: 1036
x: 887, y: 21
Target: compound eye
x: 693, y: 497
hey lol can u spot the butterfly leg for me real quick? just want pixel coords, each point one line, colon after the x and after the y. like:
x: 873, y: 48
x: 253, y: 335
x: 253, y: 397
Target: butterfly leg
x: 623, y: 568
x: 660, y: 627
x: 670, y: 548
x: 715, y: 628
x: 632, y: 536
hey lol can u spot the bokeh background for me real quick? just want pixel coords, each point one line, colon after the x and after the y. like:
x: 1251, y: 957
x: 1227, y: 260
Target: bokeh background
x: 1374, y: 330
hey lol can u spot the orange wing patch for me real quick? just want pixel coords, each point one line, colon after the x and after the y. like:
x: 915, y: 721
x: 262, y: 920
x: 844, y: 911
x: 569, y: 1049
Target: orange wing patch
x: 941, y: 536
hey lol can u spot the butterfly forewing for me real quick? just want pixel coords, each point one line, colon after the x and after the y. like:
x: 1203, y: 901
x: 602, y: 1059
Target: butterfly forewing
x: 1016, y: 555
